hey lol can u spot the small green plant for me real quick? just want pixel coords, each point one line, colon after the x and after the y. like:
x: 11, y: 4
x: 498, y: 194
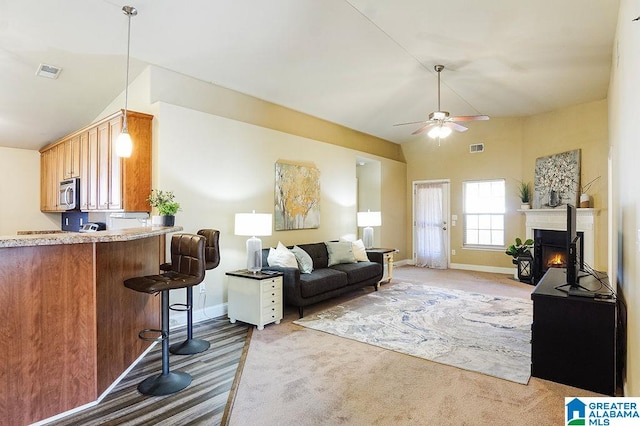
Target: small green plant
x: 524, y: 190
x: 164, y: 202
x: 519, y: 248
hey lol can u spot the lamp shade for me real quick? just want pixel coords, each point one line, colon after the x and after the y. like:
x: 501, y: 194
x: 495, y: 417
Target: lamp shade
x: 253, y: 224
x: 124, y: 146
x: 369, y: 218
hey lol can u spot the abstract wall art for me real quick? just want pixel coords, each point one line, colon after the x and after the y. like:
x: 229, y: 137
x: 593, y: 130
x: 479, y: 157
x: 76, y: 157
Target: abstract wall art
x: 557, y: 180
x: 297, y: 196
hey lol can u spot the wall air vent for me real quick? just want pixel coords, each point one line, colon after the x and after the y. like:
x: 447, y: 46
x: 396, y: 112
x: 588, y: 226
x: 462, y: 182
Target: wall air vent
x: 48, y: 71
x: 476, y: 147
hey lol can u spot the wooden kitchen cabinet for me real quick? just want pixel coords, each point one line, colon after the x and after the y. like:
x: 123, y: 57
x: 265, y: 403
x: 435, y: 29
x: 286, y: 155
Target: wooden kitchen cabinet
x: 107, y: 182
x: 49, y: 173
x: 71, y: 157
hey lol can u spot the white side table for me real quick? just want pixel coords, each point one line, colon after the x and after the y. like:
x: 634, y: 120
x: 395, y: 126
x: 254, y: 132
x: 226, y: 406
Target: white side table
x: 255, y: 298
x: 387, y: 263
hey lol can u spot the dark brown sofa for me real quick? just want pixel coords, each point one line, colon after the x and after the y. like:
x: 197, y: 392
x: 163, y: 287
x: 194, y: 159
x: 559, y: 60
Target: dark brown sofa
x: 325, y: 282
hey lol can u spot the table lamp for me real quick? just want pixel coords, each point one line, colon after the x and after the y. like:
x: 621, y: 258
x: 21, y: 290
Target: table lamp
x: 368, y: 219
x: 253, y: 225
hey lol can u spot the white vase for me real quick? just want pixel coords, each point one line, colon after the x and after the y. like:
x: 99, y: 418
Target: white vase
x: 584, y: 200
x: 524, y: 206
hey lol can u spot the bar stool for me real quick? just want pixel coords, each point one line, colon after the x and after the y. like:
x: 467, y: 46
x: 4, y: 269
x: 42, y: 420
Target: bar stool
x: 188, y: 263
x: 212, y: 260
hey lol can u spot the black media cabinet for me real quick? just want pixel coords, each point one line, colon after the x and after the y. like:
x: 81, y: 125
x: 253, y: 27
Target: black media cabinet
x: 574, y: 339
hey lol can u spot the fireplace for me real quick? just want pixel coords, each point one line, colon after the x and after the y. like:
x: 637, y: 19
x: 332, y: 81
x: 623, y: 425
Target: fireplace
x: 556, y: 220
x: 550, y: 250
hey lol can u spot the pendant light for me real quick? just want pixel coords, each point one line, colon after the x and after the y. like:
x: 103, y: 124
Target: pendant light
x: 124, y: 146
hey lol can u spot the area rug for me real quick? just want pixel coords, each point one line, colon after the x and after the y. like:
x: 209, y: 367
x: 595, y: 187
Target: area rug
x: 477, y: 332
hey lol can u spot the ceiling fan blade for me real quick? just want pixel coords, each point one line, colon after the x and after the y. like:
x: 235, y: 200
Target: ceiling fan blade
x: 455, y: 126
x: 423, y: 128
x: 412, y: 122
x: 469, y: 118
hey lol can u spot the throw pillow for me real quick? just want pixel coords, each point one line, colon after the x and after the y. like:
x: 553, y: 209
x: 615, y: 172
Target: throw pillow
x: 305, y: 263
x: 359, y: 252
x: 281, y: 256
x: 340, y: 252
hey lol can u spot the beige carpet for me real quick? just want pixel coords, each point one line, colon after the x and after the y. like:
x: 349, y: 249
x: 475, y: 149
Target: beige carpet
x: 297, y: 376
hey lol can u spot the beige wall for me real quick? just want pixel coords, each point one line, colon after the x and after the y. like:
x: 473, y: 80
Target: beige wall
x: 511, y: 148
x: 20, y: 193
x: 452, y: 160
x: 581, y: 127
x: 218, y: 163
x: 624, y: 110
x: 218, y: 167
x: 369, y: 178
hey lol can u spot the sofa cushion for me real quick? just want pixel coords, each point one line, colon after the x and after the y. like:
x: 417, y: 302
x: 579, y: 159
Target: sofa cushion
x: 318, y: 253
x: 321, y: 281
x: 305, y: 263
x: 358, y: 272
x: 340, y: 252
x: 281, y: 256
x: 359, y: 251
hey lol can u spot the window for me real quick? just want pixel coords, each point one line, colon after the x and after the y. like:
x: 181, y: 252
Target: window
x: 484, y: 207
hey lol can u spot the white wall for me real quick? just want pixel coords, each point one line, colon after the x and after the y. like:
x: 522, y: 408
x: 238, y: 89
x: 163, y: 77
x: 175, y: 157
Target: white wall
x: 218, y: 167
x: 624, y: 110
x: 20, y: 193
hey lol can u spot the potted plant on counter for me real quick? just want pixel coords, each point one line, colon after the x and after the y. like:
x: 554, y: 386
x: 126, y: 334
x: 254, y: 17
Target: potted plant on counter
x: 166, y: 206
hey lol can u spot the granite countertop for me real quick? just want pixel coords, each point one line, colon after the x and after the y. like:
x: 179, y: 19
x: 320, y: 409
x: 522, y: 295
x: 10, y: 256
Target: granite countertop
x: 37, y: 238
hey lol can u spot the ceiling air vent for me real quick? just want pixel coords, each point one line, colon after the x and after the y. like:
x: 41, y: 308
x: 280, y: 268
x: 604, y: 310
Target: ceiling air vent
x: 476, y: 147
x: 49, y: 71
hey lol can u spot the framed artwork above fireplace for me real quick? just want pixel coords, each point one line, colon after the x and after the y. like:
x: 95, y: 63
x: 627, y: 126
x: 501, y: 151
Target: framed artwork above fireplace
x: 557, y: 180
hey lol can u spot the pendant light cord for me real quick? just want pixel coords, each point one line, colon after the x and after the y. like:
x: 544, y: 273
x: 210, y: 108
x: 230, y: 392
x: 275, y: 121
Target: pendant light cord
x: 129, y: 11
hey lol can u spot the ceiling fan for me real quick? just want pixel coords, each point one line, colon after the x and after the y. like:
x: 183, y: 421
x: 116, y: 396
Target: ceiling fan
x: 439, y: 122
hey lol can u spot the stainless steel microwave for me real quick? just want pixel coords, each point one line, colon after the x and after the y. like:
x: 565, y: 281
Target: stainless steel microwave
x: 69, y: 195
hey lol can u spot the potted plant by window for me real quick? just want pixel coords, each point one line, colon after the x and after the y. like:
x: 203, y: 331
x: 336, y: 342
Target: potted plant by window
x: 166, y: 206
x: 524, y: 190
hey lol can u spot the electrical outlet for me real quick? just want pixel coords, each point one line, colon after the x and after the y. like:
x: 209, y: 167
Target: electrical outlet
x: 453, y: 252
x: 203, y: 289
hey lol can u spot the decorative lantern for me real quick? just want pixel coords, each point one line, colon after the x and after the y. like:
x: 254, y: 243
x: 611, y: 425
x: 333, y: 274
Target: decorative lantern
x: 525, y: 267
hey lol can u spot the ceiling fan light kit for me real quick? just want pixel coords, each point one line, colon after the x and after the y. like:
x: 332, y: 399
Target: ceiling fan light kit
x: 440, y: 124
x: 439, y: 132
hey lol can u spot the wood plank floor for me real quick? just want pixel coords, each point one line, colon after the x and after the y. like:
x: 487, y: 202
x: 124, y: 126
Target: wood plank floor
x: 203, y: 402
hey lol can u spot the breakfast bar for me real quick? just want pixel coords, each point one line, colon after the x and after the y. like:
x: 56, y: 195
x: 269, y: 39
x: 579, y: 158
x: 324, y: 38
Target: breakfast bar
x: 68, y: 325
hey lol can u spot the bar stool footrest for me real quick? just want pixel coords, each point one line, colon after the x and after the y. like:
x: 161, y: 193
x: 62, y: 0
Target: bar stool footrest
x: 182, y: 307
x: 143, y: 335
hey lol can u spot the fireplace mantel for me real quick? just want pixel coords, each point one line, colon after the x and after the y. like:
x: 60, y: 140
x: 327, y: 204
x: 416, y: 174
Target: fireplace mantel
x: 556, y: 219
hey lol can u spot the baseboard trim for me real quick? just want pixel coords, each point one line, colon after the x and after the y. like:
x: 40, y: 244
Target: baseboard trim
x: 179, y: 319
x: 483, y: 268
x: 466, y: 267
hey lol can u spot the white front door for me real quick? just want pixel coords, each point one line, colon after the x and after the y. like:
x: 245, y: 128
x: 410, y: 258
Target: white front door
x: 431, y: 224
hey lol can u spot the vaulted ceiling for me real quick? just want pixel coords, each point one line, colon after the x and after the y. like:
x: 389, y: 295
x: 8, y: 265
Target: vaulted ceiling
x: 364, y: 64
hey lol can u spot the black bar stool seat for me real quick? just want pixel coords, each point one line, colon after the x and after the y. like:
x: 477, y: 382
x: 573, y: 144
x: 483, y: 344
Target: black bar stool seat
x: 212, y: 259
x: 188, y: 260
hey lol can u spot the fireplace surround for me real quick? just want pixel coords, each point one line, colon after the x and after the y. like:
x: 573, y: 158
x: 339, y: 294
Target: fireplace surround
x: 556, y: 219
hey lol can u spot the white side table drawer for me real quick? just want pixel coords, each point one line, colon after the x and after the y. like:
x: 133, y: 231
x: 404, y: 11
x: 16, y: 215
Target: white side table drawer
x: 255, y: 298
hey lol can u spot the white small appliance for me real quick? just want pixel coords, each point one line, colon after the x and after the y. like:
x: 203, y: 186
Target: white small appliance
x: 69, y: 194
x: 126, y: 220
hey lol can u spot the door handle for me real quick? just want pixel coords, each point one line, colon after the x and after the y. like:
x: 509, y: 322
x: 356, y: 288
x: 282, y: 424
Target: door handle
x: 444, y: 228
